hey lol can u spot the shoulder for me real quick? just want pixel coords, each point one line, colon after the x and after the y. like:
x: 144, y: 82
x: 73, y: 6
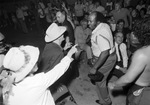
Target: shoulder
x: 123, y: 45
x: 68, y: 24
x: 140, y: 55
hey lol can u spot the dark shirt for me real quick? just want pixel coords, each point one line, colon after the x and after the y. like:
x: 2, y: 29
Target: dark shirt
x: 51, y: 56
x: 69, y: 32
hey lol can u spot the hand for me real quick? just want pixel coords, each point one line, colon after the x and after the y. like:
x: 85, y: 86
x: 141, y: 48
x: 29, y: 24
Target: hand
x: 67, y: 45
x: 111, y: 85
x: 63, y: 5
x: 93, y: 71
x: 72, y: 51
x: 123, y: 69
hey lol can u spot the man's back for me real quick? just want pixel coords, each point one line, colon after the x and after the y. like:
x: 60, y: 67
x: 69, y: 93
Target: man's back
x: 52, y: 54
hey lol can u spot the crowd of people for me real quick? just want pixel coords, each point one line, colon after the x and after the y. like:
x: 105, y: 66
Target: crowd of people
x: 115, y: 39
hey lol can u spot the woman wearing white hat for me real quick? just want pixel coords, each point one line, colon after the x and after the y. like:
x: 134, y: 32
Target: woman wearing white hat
x: 21, y: 86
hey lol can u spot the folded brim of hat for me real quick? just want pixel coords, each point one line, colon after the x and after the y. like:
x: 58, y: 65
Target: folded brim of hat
x: 20, y: 74
x: 52, y: 37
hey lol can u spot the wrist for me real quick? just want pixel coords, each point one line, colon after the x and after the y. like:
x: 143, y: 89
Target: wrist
x: 94, y: 68
x: 69, y: 55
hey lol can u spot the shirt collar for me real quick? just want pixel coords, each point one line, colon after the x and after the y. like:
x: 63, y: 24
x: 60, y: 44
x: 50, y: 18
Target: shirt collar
x: 97, y: 28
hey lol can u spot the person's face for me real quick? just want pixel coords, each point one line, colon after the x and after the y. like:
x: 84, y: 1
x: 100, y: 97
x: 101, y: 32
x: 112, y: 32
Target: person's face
x: 119, y: 38
x: 59, y: 17
x: 120, y: 25
x: 84, y: 25
x: 133, y: 13
x: 92, y: 21
x: 117, y: 6
x: 133, y: 38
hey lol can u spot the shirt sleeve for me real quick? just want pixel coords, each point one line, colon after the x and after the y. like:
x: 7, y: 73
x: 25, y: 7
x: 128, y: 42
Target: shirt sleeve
x: 54, y: 74
x: 123, y: 49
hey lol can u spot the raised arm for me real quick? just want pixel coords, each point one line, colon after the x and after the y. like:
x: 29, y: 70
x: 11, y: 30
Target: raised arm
x: 53, y: 75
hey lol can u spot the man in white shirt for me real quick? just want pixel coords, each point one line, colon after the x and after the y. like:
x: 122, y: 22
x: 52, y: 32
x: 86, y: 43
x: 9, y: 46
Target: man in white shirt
x: 122, y: 58
x: 21, y: 86
x: 103, y: 49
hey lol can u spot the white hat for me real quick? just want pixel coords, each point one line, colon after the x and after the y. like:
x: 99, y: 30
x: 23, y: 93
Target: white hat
x: 21, y: 60
x: 53, y: 32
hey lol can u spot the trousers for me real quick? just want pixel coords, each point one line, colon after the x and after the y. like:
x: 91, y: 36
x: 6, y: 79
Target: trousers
x: 138, y: 95
x: 101, y: 86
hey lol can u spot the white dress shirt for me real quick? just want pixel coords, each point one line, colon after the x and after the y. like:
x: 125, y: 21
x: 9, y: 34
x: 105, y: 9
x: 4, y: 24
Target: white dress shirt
x: 123, y: 50
x: 102, y: 39
x: 33, y: 89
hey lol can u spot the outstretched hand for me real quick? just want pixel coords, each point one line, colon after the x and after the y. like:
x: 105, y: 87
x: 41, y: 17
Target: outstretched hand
x: 111, y: 85
x: 72, y: 51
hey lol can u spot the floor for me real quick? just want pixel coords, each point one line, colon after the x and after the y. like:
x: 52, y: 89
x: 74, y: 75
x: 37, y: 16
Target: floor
x: 81, y: 88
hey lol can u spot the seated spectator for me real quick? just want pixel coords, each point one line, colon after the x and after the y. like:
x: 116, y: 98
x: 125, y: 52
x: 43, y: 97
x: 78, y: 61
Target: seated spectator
x: 140, y: 5
x: 22, y: 86
x: 121, y: 51
x: 112, y: 23
x: 135, y: 15
x: 122, y: 13
x: 120, y: 28
x: 81, y: 34
x: 143, y: 13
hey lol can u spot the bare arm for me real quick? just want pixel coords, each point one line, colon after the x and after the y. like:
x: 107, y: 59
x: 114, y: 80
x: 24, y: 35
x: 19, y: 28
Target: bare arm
x: 137, y: 66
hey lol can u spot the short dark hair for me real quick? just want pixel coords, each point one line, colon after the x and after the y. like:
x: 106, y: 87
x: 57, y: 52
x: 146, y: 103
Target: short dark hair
x: 141, y: 30
x: 99, y: 17
x: 63, y: 12
x: 120, y: 20
x: 143, y: 9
